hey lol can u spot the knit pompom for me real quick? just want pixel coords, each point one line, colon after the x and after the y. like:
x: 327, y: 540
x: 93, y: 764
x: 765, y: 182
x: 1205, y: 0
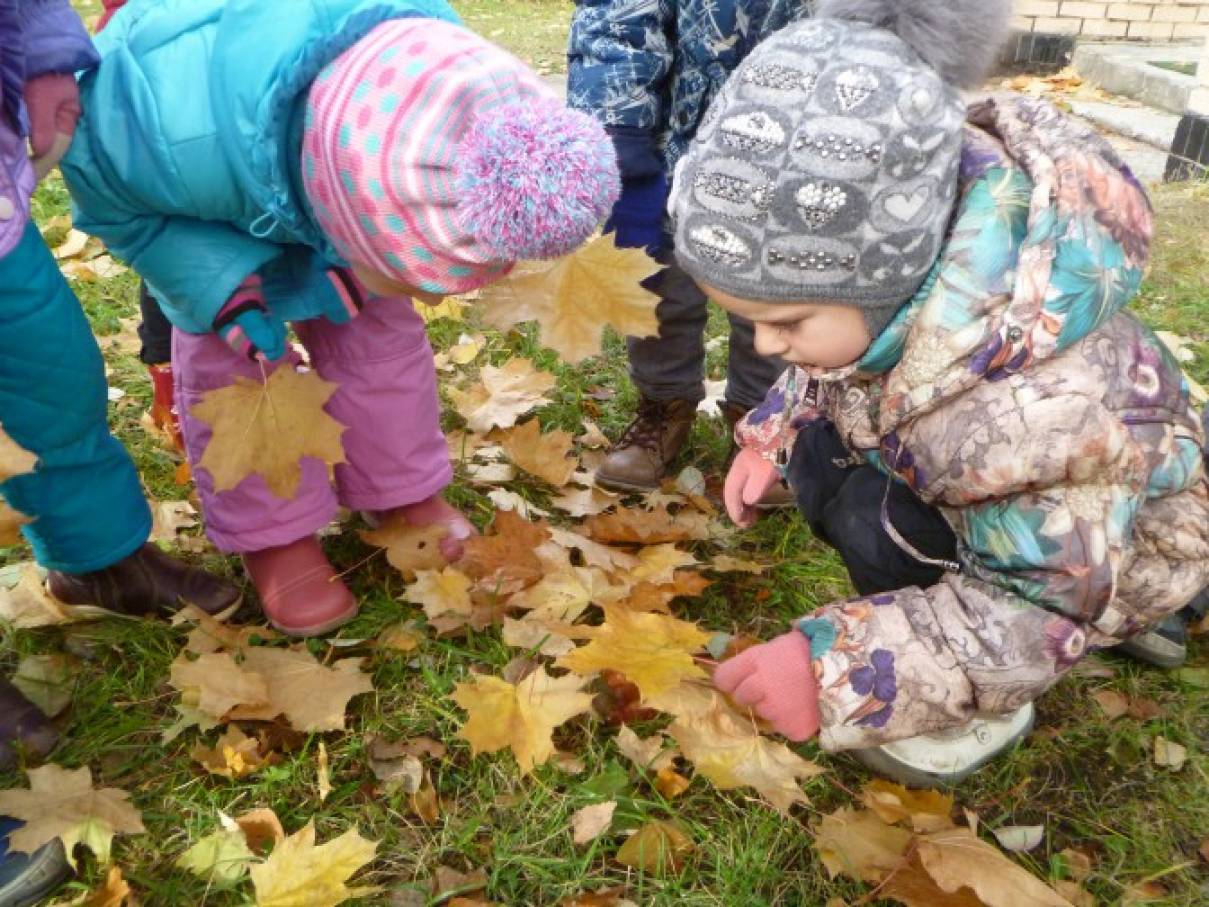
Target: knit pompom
x: 960, y: 39
x: 535, y: 180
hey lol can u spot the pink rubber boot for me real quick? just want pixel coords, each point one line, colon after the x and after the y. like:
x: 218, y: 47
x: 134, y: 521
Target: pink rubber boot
x: 300, y: 592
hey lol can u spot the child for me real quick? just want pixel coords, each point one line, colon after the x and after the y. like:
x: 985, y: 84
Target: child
x: 648, y: 71
x: 1007, y: 461
x: 262, y: 163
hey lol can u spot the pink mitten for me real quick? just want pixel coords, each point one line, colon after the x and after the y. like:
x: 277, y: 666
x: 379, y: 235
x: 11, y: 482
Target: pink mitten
x: 53, y: 102
x: 749, y: 479
x: 776, y: 680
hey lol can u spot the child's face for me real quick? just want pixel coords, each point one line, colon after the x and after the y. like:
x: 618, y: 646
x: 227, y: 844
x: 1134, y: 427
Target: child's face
x: 385, y: 286
x: 808, y: 334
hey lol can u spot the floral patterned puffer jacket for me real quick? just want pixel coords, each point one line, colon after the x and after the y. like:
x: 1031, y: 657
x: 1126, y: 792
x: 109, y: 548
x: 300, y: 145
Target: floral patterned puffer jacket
x: 1052, y: 429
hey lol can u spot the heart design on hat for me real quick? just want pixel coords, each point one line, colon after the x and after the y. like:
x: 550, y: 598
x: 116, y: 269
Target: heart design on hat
x: 853, y: 87
x: 905, y: 206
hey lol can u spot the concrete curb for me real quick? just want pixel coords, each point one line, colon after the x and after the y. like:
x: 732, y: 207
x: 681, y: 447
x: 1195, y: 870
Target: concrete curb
x: 1126, y: 69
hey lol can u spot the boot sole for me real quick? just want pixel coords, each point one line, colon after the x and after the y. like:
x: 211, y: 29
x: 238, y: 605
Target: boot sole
x: 315, y: 629
x: 619, y: 485
x: 882, y: 763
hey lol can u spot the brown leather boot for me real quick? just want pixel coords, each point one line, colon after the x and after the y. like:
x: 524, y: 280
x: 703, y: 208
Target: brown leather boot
x: 779, y: 495
x: 145, y: 582
x: 640, y: 459
x: 299, y: 590
x: 22, y: 725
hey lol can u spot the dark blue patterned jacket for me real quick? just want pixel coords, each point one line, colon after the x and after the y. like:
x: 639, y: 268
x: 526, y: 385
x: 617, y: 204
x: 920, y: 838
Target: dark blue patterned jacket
x: 648, y: 69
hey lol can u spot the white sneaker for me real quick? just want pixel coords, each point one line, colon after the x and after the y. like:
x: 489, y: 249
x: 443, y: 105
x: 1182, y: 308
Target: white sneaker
x: 948, y: 757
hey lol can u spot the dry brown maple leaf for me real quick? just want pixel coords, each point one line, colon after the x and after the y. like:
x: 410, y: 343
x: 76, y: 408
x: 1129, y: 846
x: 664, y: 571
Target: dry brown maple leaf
x: 28, y: 604
x: 268, y: 428
x: 299, y: 873
x: 858, y: 844
x: 15, y: 460
x: 575, y: 297
x: 649, y: 754
x: 521, y: 716
x: 733, y: 754
x: 218, y: 683
x: 62, y: 803
x: 441, y: 592
x: 234, y: 755
x: 312, y: 697
x: 924, y: 810
x: 579, y: 502
x: 505, y: 561
x: 409, y: 548
x: 911, y: 885
x: 541, y: 455
x: 659, y: 563
x: 261, y: 829
x: 634, y: 526
x: 210, y: 635
x: 653, y: 650
x: 502, y: 395
x: 113, y: 892
x: 956, y: 859
x: 658, y: 596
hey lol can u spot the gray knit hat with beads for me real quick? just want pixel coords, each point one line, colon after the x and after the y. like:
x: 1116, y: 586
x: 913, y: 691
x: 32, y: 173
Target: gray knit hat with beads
x: 826, y: 168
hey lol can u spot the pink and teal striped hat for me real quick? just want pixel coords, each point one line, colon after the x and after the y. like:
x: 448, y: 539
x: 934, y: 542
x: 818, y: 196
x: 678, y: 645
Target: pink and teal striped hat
x: 439, y: 160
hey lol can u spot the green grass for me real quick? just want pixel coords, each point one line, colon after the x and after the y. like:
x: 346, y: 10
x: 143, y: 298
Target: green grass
x: 1090, y: 782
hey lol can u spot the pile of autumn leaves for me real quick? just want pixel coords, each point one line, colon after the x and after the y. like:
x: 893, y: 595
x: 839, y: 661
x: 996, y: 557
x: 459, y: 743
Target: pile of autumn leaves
x: 587, y: 606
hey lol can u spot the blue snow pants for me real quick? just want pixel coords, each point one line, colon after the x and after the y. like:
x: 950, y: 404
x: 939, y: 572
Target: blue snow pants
x: 84, y: 495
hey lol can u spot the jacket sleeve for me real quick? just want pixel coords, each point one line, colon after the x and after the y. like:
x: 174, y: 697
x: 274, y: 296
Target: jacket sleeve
x: 791, y: 403
x: 54, y: 38
x: 1040, y: 570
x: 620, y: 58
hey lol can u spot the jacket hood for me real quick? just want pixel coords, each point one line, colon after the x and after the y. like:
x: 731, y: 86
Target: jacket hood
x: 1064, y: 249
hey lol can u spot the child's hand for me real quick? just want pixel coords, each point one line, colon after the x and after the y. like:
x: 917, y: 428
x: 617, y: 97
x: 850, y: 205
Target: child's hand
x: 53, y: 103
x: 637, y: 215
x: 247, y: 325
x: 749, y: 479
x: 776, y: 680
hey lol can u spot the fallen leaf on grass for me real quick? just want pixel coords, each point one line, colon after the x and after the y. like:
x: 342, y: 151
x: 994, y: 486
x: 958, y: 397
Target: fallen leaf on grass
x: 394, y: 765
x: 1143, y: 893
x: 222, y: 856
x: 858, y: 844
x: 210, y: 635
x: 234, y: 755
x: 1075, y: 893
x: 47, y: 681
x: 724, y: 563
x: 1169, y: 754
x: 502, y: 395
x: 298, y: 872
x: 620, y: 702
x: 957, y: 859
x: 447, y: 882
x: 646, y: 596
x: 261, y: 829
x: 653, y: 650
x: 657, y: 847
x: 606, y: 897
x: 218, y: 683
x: 441, y: 592
x: 1078, y: 864
x: 575, y: 297
x: 409, y: 548
x: 670, y: 783
x: 323, y: 773
x: 1113, y: 704
x: 649, y: 754
x: 504, y: 561
x: 27, y: 604
x: 169, y: 518
x: 659, y: 563
x: 590, y: 823
x: 268, y: 428
x: 629, y: 526
x: 1019, y: 838
x: 311, y: 696
x: 62, y: 803
x: 404, y: 636
x: 535, y: 635
x: 580, y: 502
x: 923, y: 810
x: 503, y: 499
x: 541, y: 455
x: 735, y: 754
x: 594, y: 553
x: 113, y: 892
x: 521, y: 717
x: 450, y: 307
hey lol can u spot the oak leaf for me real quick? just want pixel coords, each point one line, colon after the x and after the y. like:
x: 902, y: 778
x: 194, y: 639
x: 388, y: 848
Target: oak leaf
x: 575, y: 297
x: 300, y: 874
x: 653, y: 650
x: 502, y: 395
x: 734, y: 754
x: 311, y: 696
x: 409, y: 548
x: 267, y: 429
x: 15, y: 460
x: 62, y: 803
x: 521, y: 716
x: 541, y: 455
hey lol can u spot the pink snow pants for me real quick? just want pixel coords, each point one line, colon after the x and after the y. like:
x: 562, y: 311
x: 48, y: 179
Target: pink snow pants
x: 386, y: 397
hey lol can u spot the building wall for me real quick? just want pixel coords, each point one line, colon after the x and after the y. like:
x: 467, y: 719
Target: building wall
x: 1135, y: 20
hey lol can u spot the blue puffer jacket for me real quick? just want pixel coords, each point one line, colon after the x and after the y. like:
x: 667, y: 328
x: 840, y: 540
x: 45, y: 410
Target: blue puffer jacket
x: 648, y: 69
x: 186, y: 160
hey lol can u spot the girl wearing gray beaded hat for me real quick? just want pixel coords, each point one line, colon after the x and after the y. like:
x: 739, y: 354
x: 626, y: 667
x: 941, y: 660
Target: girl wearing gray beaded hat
x: 1007, y: 461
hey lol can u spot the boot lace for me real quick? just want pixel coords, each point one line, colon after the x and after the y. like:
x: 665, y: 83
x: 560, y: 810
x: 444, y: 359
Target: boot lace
x: 646, y: 430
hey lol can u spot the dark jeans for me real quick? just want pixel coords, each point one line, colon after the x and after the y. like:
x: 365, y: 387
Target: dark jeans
x: 155, y: 331
x: 842, y: 502
x: 672, y: 365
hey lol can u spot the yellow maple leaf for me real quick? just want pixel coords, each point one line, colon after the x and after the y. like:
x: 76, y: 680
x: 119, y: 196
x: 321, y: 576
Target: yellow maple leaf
x: 441, y: 592
x: 926, y: 810
x: 15, y: 460
x: 217, y: 683
x: 659, y: 563
x: 234, y: 755
x: 733, y: 754
x: 502, y: 395
x: 521, y: 716
x: 544, y: 456
x: 268, y: 428
x: 299, y: 874
x: 312, y: 697
x: 631, y: 526
x: 113, y: 892
x: 654, y: 651
x: 62, y: 803
x: 575, y: 297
